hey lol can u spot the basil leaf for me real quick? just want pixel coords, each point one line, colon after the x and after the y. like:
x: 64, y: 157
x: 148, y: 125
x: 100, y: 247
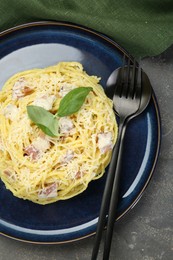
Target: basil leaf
x: 44, y: 120
x: 73, y: 101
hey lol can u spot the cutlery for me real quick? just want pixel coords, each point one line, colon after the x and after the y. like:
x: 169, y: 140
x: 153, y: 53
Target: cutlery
x: 130, y: 89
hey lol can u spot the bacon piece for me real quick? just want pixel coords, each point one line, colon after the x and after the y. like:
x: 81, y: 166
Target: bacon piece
x: 78, y: 175
x: 68, y: 157
x: 10, y: 112
x: 10, y: 174
x: 32, y: 152
x: 66, y: 125
x: 45, y: 101
x: 105, y: 142
x: 21, y: 89
x: 41, y: 144
x: 48, y: 192
x: 27, y: 91
x: 65, y: 89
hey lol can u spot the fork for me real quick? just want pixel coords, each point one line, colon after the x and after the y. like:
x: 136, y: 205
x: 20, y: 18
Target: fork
x: 126, y: 100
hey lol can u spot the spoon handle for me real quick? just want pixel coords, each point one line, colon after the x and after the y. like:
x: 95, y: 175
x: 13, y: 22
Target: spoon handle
x: 113, y: 202
x: 116, y: 156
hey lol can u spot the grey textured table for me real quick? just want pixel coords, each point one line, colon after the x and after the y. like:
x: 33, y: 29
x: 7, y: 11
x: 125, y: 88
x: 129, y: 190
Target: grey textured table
x: 146, y: 233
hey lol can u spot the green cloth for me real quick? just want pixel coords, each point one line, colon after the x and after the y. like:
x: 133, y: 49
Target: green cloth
x: 142, y: 27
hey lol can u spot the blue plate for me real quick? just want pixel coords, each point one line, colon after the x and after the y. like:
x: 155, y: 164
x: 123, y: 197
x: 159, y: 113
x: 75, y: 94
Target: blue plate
x: 46, y: 43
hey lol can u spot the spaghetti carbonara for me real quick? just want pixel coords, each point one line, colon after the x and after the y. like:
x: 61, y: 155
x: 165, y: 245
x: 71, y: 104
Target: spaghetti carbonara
x: 46, y: 169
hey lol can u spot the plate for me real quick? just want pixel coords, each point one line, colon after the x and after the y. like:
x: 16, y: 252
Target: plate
x: 38, y: 45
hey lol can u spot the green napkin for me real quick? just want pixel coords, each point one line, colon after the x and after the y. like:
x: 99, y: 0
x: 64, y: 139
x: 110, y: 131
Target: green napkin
x: 142, y: 27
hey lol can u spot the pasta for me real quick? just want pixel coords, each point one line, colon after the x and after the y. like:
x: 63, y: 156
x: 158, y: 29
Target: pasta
x: 45, y: 169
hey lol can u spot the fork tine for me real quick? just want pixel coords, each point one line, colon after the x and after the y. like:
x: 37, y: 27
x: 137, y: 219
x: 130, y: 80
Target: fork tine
x: 138, y: 85
x: 118, y: 90
x: 125, y: 74
x: 132, y: 81
x: 127, y: 79
x: 123, y: 68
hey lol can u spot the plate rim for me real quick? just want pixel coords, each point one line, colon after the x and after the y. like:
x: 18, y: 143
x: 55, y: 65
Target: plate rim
x: 154, y: 99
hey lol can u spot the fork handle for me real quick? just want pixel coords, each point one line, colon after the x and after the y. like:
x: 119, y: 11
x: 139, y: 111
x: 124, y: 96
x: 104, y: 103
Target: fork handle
x: 116, y: 169
x: 107, y: 191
